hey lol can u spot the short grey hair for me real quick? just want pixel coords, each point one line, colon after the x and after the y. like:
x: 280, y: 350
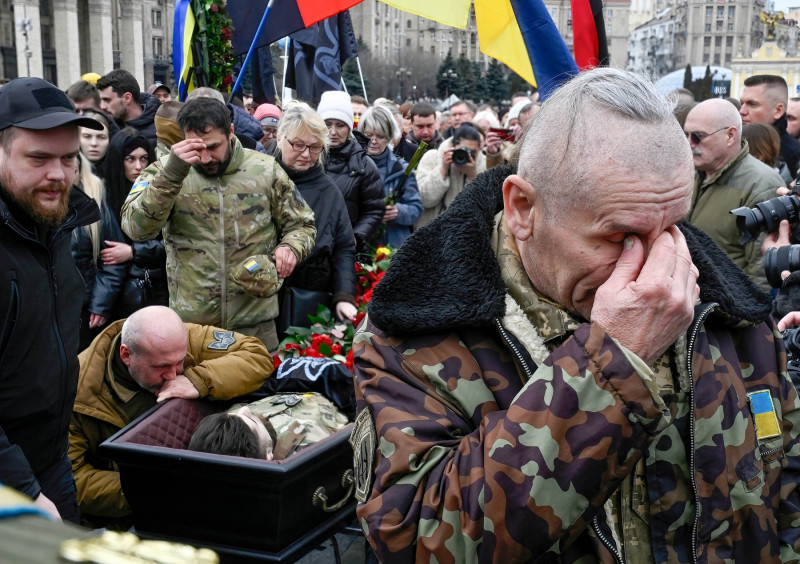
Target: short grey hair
x: 379, y: 118
x: 600, y: 114
x: 205, y: 92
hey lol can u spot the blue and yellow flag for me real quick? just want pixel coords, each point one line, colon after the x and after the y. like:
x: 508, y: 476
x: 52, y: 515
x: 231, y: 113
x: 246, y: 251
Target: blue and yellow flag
x: 182, y: 61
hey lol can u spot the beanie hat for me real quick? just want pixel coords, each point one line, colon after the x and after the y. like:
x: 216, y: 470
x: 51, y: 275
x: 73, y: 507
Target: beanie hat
x: 517, y: 109
x: 336, y: 104
x: 271, y: 112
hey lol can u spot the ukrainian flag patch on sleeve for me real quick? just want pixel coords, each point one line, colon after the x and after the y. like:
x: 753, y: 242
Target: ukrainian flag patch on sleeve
x: 764, y: 415
x: 138, y: 187
x: 251, y: 265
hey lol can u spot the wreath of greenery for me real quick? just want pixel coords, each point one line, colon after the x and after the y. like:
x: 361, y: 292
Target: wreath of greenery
x: 213, y: 52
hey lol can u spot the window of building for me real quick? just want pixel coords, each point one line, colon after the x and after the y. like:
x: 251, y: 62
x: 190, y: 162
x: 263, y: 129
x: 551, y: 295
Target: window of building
x: 158, y: 47
x: 706, y: 42
x: 718, y: 41
x: 408, y: 42
x: 709, y: 11
x: 729, y: 41
x: 608, y: 28
x: 720, y: 11
x: 433, y: 50
x: 716, y: 59
x: 155, y: 17
x: 727, y: 58
x: 731, y: 11
x: 708, y: 27
x: 610, y: 14
x: 730, y: 26
x: 719, y: 26
x: 706, y: 58
x: 408, y: 24
x: 47, y: 40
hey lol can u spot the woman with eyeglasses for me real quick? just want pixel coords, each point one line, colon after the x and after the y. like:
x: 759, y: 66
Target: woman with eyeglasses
x: 330, y: 269
x: 349, y: 167
x: 402, y: 209
x: 128, y: 154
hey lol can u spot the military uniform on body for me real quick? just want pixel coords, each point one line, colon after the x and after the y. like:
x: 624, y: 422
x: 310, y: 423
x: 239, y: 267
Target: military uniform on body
x: 234, y: 225
x: 150, y: 357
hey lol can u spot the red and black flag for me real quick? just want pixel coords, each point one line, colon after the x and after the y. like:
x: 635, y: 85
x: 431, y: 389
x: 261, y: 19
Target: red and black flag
x: 589, y: 34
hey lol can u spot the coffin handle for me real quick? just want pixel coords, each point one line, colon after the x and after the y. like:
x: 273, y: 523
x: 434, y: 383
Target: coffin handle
x: 320, y: 498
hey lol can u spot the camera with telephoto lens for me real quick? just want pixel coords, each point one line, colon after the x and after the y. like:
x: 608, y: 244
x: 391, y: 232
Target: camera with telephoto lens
x: 778, y: 260
x: 791, y: 337
x: 765, y: 216
x: 461, y: 156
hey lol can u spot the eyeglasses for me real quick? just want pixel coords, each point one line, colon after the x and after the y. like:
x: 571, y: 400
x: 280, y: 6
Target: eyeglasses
x: 375, y: 136
x: 299, y: 146
x: 697, y: 138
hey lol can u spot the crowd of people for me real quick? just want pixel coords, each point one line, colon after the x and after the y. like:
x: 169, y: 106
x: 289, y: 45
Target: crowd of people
x: 524, y: 376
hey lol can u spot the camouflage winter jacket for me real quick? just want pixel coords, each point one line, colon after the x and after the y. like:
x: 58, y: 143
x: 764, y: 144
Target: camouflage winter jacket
x: 478, y: 455
x: 213, y: 225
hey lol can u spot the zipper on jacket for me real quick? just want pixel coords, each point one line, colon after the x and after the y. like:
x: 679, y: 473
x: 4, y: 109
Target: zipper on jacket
x: 690, y: 351
x: 609, y: 544
x: 11, y: 320
x: 236, y: 220
x: 513, y: 348
x: 223, y: 285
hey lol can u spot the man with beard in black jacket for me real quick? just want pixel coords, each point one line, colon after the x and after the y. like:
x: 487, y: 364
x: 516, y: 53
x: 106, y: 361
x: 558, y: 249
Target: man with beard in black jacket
x: 121, y: 97
x: 40, y: 289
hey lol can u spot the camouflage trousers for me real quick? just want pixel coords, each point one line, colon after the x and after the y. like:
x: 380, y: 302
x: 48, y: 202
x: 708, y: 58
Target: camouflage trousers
x: 265, y: 331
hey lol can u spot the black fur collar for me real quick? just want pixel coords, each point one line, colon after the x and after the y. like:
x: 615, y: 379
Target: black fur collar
x: 446, y: 275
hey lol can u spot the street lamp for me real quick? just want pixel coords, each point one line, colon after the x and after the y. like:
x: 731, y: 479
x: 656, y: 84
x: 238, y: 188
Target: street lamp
x: 25, y: 27
x: 448, y: 75
x: 402, y: 73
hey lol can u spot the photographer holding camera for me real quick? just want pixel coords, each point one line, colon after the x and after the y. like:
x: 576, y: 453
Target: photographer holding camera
x: 443, y: 173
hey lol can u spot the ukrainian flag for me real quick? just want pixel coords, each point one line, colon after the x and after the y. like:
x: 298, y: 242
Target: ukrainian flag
x: 520, y: 33
x: 182, y: 61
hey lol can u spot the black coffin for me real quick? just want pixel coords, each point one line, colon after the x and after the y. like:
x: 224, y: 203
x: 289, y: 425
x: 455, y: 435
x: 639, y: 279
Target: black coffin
x: 253, y: 507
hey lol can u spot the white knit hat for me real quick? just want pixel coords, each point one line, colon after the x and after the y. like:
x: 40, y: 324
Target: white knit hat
x: 335, y: 104
x: 517, y: 109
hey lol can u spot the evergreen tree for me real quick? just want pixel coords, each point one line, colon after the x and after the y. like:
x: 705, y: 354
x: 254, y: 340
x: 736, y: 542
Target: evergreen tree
x: 445, y: 82
x: 688, y: 81
x: 350, y: 74
x: 465, y: 83
x: 705, y: 86
x: 495, y: 85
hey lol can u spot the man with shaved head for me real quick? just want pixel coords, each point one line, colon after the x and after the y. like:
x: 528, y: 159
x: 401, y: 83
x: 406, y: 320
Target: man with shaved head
x: 148, y: 358
x: 764, y: 100
x: 558, y: 369
x: 727, y: 177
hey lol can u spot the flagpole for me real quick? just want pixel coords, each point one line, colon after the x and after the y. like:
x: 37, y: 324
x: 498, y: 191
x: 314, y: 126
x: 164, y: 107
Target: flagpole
x: 361, y: 75
x: 284, y: 97
x: 252, y: 48
x: 344, y: 86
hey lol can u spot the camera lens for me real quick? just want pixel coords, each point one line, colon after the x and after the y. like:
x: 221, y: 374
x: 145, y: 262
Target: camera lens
x: 460, y: 156
x: 780, y: 259
x: 765, y: 216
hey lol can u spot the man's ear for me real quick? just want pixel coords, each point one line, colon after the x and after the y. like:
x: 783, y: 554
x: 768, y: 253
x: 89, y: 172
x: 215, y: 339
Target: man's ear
x: 231, y: 134
x: 127, y: 98
x: 519, y: 197
x: 125, y: 354
x: 780, y: 109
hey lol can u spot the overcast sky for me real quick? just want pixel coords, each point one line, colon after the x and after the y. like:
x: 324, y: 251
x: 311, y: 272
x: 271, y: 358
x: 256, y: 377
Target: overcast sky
x: 784, y: 5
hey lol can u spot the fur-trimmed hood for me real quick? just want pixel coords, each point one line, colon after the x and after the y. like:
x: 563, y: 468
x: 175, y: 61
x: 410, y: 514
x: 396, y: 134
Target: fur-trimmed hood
x: 446, y: 275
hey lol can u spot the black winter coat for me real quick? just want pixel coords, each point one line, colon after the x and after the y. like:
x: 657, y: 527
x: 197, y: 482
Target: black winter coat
x: 359, y: 181
x: 40, y: 306
x: 102, y: 282
x: 145, y: 123
x: 331, y: 265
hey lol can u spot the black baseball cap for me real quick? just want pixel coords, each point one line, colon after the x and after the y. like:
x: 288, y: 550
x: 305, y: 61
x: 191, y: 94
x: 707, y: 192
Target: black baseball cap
x: 34, y: 103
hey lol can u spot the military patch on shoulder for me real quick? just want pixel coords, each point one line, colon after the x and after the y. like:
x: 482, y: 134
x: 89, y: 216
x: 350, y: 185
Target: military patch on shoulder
x: 224, y: 339
x: 138, y: 187
x: 362, y: 439
x: 764, y: 415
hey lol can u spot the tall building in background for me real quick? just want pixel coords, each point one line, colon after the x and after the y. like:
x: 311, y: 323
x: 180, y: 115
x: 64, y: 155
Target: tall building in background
x: 60, y: 40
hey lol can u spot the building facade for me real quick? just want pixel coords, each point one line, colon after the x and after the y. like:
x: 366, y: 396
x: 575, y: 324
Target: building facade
x: 651, y: 48
x: 38, y: 38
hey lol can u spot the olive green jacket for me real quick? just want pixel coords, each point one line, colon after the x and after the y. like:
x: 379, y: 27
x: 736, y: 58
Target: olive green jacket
x: 212, y: 225
x: 744, y: 181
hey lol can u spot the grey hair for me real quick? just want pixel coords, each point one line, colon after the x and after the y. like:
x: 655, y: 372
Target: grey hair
x: 205, y: 92
x: 379, y: 118
x: 600, y: 115
x: 299, y: 116
x: 145, y: 322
